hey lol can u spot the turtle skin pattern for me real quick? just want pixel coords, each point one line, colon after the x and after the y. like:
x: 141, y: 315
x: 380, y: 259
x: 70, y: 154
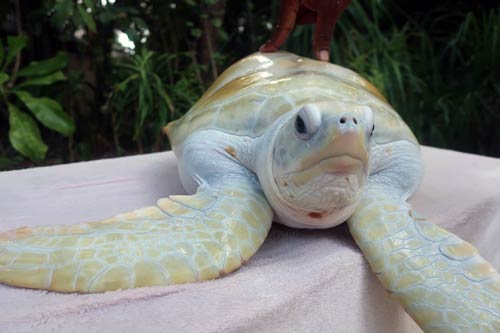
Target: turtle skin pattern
x: 181, y: 239
x: 439, y: 279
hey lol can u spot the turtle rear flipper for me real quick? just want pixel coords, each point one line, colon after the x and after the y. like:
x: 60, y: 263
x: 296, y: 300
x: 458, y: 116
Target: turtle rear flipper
x: 439, y: 279
x: 181, y: 239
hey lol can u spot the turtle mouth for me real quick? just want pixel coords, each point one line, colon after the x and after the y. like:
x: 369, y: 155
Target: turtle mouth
x: 338, y: 165
x: 341, y: 164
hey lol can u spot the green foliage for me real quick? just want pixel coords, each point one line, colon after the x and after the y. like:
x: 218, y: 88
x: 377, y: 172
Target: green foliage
x: 24, y: 134
x: 14, y: 46
x: 141, y: 90
x: 67, y: 12
x: 437, y: 64
x: 48, y: 112
x: 141, y: 94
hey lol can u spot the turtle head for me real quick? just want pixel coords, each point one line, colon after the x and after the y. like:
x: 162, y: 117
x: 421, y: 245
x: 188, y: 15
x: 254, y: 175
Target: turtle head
x: 318, y: 160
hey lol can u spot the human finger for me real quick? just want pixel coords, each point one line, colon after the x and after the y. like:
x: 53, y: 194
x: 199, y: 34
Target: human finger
x: 328, y: 12
x: 288, y: 13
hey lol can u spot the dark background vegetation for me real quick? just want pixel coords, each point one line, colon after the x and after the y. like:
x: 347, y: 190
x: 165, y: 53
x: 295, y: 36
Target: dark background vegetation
x: 89, y: 97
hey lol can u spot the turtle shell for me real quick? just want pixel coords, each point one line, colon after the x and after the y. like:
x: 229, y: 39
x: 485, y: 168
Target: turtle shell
x: 256, y: 90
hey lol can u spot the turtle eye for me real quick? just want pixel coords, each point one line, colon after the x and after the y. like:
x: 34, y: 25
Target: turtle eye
x: 373, y: 129
x: 307, y: 122
x: 300, y: 125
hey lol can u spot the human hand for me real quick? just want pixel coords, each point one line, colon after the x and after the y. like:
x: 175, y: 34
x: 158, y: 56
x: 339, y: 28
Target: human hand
x: 325, y: 13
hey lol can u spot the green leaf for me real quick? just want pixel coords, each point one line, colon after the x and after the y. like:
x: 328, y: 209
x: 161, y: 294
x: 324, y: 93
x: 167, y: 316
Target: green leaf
x: 44, y: 67
x: 42, y: 80
x: 4, y: 77
x: 87, y: 19
x: 24, y: 135
x: 166, y: 98
x: 217, y: 22
x: 144, y: 107
x: 123, y: 85
x: 14, y: 44
x: 48, y: 112
x: 63, y: 9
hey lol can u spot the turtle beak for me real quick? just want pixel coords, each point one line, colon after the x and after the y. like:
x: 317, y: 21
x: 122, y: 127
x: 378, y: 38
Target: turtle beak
x: 348, y: 148
x: 348, y: 137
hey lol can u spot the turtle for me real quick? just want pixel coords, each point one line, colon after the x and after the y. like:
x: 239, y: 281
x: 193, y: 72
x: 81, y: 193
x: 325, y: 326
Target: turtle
x: 277, y: 137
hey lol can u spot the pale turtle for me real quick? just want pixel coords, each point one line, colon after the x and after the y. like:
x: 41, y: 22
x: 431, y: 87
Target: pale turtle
x: 276, y: 137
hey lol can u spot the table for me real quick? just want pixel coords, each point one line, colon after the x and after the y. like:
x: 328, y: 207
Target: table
x: 299, y: 281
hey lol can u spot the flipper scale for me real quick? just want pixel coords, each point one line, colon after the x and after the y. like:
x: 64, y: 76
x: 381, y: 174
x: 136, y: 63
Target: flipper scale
x: 441, y: 280
x: 182, y: 239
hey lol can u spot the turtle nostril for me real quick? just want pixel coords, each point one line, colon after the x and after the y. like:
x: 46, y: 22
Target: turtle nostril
x: 348, y: 119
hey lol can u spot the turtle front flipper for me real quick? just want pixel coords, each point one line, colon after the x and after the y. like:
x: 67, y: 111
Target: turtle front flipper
x: 439, y: 279
x: 181, y: 239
